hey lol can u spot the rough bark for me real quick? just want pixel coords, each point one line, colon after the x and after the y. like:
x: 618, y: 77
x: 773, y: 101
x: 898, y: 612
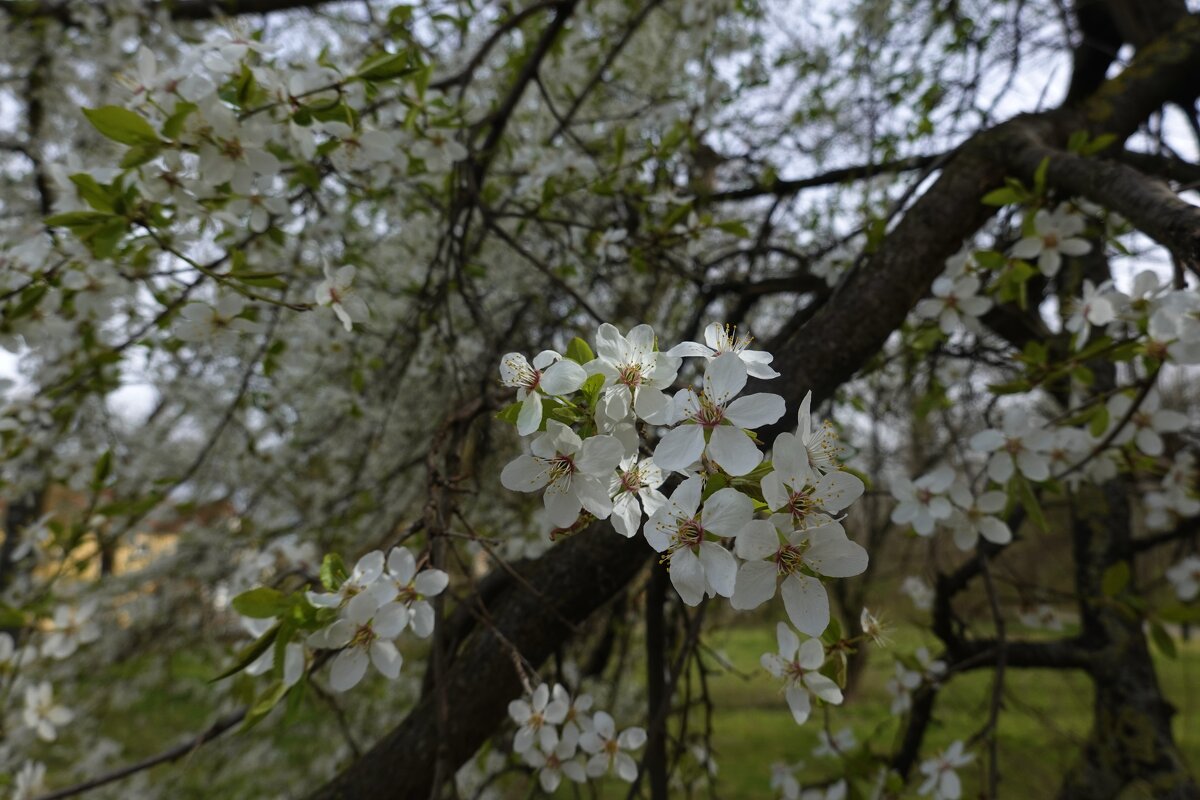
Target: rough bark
x: 1130, y: 751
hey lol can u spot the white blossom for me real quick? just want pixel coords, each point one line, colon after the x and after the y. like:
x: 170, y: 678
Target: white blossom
x: 550, y: 375
x: 610, y: 750
x: 73, y: 626
x: 941, y: 776
x: 720, y: 339
x: 1146, y: 423
x: 337, y: 292
x: 1185, y: 578
x: 536, y: 718
x: 955, y: 303
x: 365, y: 633
x: 1018, y: 445
x: 413, y: 588
x: 923, y: 502
x: 635, y: 375
x: 573, y: 471
x: 680, y: 531
x: 1055, y: 234
x: 41, y: 714
x: 975, y: 516
x: 634, y: 489
x: 714, y: 421
x: 824, y: 550
x: 798, y: 665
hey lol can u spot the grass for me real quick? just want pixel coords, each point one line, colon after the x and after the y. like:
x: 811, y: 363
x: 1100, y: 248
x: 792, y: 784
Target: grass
x: 1047, y: 715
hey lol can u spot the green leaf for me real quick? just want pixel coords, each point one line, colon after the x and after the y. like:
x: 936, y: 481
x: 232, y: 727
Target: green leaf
x: 1077, y: 141
x: 736, y: 228
x: 121, y: 125
x: 1021, y: 489
x: 139, y: 154
x: 78, y: 219
x: 266, y: 280
x: 102, y: 470
x: 1101, y: 142
x: 92, y: 192
x: 263, y: 704
x: 333, y: 572
x: 249, y: 654
x: 173, y: 125
x: 1001, y: 197
x: 1115, y: 579
x: 591, y: 389
x: 1180, y: 614
x: 509, y: 413
x: 386, y: 67
x: 260, y: 603
x: 579, y: 352
x: 1099, y: 422
x: 1039, y: 176
x: 11, y: 617
x: 1162, y: 640
x: 990, y: 259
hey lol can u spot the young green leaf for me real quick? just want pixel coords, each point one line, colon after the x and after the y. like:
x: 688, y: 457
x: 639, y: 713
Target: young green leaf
x: 121, y: 125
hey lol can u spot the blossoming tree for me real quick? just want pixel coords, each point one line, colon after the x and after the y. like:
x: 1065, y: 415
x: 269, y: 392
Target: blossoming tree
x: 390, y: 366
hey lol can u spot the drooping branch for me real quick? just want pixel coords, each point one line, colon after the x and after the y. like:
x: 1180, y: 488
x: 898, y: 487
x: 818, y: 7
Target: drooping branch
x: 786, y: 188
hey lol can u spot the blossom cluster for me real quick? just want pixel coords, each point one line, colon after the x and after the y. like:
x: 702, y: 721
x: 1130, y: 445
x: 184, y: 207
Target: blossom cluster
x: 608, y: 435
x: 358, y: 619
x: 558, y: 737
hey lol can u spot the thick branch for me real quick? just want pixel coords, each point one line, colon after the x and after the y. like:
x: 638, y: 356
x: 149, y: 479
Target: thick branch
x: 1146, y: 202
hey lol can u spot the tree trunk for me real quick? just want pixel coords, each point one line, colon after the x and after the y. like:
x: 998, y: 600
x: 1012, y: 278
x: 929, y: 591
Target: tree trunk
x: 1130, y: 752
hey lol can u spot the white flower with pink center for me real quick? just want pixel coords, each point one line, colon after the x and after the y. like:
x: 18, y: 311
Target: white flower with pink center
x: 550, y: 375
x: 680, y: 530
x: 714, y: 423
x: 574, y: 473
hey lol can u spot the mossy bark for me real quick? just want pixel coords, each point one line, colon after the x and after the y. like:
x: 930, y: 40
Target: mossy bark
x: 1130, y: 751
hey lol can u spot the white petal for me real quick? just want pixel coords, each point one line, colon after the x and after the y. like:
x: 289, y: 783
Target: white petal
x: 626, y: 515
x: 593, y: 495
x: 386, y: 658
x: 431, y: 582
x: 687, y: 576
x: 679, y: 448
x: 529, y: 418
x: 653, y: 406
x: 348, y: 668
x: 836, y: 558
x: 726, y: 512
x: 800, y: 704
x: 525, y: 474
x: 562, y: 378
x: 787, y: 640
x: 733, y: 450
x: 720, y: 568
x: 755, y: 410
x: 600, y: 455
x: 756, y: 583
x: 807, y: 603
x: 724, y: 377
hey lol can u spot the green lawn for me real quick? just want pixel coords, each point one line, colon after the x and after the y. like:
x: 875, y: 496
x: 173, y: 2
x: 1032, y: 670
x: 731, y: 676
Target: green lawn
x: 1047, y: 714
